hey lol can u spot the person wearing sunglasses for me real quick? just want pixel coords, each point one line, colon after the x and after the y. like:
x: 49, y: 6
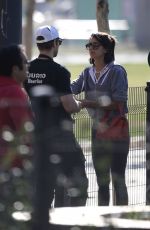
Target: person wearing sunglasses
x: 105, y: 85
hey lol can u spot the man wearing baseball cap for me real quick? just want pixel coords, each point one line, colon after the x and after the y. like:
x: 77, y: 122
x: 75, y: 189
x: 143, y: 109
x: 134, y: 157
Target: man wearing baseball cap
x: 65, y: 155
x: 47, y: 33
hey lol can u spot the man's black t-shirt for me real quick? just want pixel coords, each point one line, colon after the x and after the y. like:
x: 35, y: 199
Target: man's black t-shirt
x: 46, y: 72
x: 55, y: 142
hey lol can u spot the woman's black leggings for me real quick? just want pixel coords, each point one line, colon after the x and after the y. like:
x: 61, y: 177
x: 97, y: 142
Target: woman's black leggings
x: 110, y: 158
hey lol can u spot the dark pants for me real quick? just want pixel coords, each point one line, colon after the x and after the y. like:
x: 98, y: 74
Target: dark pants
x: 71, y: 188
x: 110, y: 157
x: 59, y: 174
x: 70, y: 179
x: 59, y: 164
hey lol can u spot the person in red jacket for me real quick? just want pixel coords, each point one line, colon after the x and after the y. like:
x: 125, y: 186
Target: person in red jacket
x: 15, y: 113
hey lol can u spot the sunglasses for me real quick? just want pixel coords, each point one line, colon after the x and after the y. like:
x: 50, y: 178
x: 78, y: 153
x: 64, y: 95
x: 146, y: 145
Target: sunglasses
x: 94, y: 46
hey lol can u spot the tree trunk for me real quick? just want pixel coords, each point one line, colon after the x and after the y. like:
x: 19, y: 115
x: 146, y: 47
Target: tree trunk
x: 102, y: 11
x: 30, y: 5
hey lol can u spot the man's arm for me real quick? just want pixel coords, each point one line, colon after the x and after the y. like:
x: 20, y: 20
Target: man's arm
x: 70, y: 104
x: 96, y: 104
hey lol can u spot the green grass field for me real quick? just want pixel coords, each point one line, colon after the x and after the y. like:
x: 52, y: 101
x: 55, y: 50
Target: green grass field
x: 138, y: 74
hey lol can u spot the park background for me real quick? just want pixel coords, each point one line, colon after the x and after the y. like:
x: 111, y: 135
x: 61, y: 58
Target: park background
x: 132, y: 50
x: 76, y: 20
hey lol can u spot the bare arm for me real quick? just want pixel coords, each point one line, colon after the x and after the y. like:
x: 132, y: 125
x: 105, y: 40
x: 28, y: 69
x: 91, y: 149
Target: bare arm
x: 70, y: 104
x: 96, y: 104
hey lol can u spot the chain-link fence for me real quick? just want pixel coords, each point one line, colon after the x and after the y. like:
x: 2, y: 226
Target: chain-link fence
x: 136, y: 165
x: 136, y: 173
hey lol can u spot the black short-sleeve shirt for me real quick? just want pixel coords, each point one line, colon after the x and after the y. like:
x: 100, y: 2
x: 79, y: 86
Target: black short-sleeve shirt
x: 47, y: 72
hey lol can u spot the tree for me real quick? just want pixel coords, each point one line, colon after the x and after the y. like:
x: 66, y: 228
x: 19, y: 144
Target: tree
x: 30, y: 6
x: 28, y: 32
x: 102, y: 11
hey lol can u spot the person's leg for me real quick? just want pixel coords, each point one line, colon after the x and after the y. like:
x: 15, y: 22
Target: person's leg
x: 61, y: 184
x: 72, y: 181
x: 119, y: 162
x: 78, y: 181
x: 79, y: 185
x: 61, y: 196
x: 101, y: 155
x: 61, y: 146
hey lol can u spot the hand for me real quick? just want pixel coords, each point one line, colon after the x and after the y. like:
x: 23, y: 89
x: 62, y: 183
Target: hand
x: 88, y: 103
x: 102, y: 127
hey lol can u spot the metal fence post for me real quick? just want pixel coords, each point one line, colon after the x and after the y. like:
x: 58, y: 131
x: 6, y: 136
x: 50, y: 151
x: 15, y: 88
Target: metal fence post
x: 43, y: 178
x: 148, y: 145
x: 10, y: 22
x: 113, y: 194
x: 148, y: 59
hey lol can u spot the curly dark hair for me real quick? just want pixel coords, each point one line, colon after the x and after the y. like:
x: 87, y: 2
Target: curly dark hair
x: 108, y: 42
x: 10, y: 56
